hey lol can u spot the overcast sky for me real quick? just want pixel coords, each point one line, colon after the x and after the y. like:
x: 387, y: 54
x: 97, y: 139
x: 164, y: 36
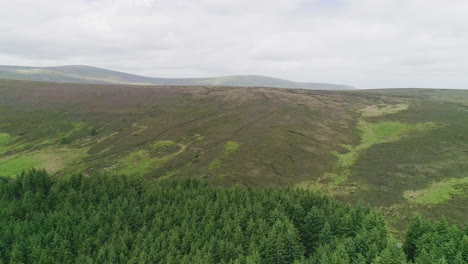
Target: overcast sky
x: 364, y: 43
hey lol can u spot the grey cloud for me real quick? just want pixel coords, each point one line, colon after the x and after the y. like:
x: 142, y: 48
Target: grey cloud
x: 364, y: 43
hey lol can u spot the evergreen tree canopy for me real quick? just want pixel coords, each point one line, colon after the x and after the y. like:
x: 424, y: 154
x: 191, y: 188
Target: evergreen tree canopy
x: 119, y: 219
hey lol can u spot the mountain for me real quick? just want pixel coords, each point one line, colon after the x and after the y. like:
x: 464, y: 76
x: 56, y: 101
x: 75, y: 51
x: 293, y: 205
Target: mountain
x: 93, y: 75
x: 403, y: 151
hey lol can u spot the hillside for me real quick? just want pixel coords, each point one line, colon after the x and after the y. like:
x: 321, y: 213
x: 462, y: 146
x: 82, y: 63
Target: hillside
x: 402, y: 151
x: 93, y: 75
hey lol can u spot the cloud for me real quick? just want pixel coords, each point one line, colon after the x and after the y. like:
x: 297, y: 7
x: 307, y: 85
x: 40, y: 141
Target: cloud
x: 365, y: 43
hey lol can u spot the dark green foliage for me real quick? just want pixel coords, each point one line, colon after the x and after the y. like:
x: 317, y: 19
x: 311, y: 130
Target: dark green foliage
x: 93, y: 132
x: 119, y: 219
x: 416, y: 229
x: 313, y: 224
x: 282, y: 244
x: 392, y: 254
x: 64, y: 140
x: 436, y: 242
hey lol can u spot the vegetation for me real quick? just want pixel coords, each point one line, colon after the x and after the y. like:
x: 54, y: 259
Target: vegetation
x: 141, y: 162
x: 436, y: 242
x: 93, y: 132
x: 403, y: 151
x: 437, y: 192
x: 64, y: 141
x: 120, y: 219
x: 161, y: 144
x: 4, y: 140
x: 87, y: 74
x: 10, y: 167
x: 230, y: 148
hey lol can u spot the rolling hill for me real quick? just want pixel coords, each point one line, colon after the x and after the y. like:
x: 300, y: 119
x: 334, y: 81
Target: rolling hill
x: 92, y: 75
x: 403, y: 151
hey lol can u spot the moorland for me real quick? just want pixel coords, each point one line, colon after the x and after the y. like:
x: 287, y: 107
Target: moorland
x: 403, y: 151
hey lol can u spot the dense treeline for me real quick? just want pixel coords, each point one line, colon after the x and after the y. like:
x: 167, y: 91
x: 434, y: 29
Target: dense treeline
x: 105, y: 219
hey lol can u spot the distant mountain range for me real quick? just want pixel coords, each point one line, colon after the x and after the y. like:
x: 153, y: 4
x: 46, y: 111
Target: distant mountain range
x: 93, y: 75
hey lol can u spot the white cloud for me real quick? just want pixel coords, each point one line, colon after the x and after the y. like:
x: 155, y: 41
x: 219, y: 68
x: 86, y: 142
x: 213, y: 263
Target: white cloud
x: 365, y: 43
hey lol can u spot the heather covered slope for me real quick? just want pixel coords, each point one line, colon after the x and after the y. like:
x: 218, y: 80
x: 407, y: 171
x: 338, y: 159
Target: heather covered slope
x: 403, y: 151
x: 93, y: 75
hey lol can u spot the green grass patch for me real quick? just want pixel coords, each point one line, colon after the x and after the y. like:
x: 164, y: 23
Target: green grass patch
x: 163, y: 144
x: 230, y: 148
x: 4, y: 140
x: 215, y: 164
x: 77, y: 127
x: 437, y: 192
x: 371, y: 134
x: 21, y: 146
x: 13, y: 166
x: 141, y: 162
x: 64, y: 138
x: 52, y: 159
x: 137, y: 162
x: 376, y: 133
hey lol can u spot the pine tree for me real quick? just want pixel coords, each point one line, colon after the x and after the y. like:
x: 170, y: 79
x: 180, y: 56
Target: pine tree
x: 282, y: 244
x: 120, y: 219
x: 253, y: 258
x: 327, y: 254
x: 392, y: 254
x: 313, y: 224
x: 325, y: 235
x: 417, y: 227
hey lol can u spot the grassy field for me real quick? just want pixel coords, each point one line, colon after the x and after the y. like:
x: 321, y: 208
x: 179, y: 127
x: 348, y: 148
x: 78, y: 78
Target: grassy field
x: 4, y: 139
x: 10, y: 167
x: 403, y: 151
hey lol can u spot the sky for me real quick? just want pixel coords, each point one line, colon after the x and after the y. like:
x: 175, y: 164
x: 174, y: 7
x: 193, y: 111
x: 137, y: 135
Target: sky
x: 363, y: 43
